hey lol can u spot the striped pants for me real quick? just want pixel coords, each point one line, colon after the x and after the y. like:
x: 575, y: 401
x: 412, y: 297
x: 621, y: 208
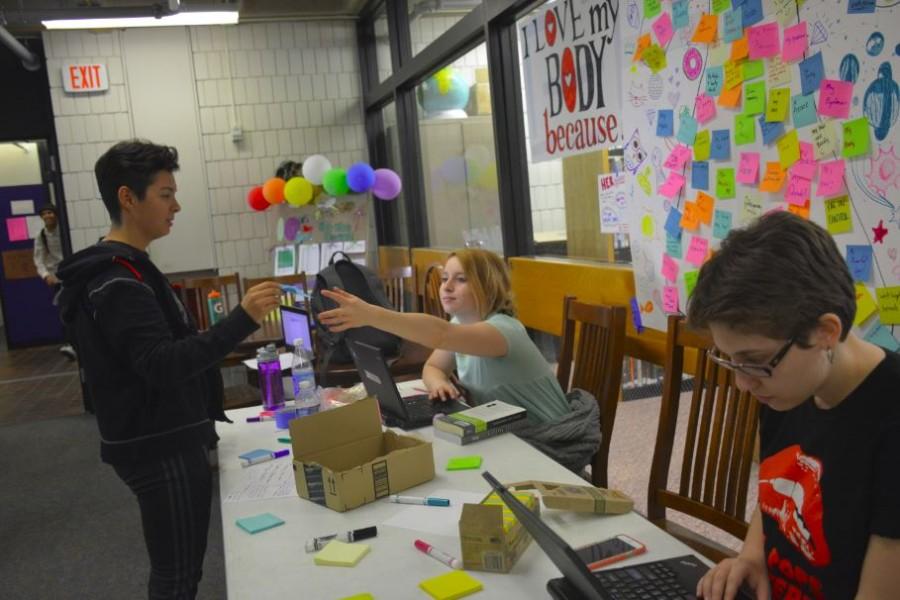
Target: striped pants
x: 174, y: 494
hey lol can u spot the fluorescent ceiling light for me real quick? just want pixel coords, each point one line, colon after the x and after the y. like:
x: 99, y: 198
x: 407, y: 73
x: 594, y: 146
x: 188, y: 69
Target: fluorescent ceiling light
x: 229, y: 17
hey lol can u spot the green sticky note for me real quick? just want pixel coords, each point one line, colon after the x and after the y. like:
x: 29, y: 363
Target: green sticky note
x: 725, y: 183
x: 755, y: 98
x: 461, y: 463
x: 788, y: 149
x: 744, y: 129
x: 838, y: 218
x: 856, y: 137
x: 651, y: 8
x: 777, y: 108
x: 259, y: 523
x: 702, y: 145
x: 720, y: 6
x: 690, y: 281
x: 753, y: 69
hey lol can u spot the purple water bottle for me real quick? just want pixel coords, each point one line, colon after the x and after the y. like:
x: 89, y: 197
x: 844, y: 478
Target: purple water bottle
x: 270, y: 387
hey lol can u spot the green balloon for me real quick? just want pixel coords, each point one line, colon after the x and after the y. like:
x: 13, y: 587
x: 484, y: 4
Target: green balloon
x: 335, y: 182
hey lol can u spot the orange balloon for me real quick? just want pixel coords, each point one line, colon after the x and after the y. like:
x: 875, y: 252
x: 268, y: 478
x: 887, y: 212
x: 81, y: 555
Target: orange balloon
x: 273, y: 190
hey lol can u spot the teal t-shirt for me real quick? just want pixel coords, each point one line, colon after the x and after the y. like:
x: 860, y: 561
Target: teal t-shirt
x: 522, y: 377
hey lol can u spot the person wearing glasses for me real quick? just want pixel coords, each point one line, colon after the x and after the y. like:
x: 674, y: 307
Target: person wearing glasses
x: 779, y: 301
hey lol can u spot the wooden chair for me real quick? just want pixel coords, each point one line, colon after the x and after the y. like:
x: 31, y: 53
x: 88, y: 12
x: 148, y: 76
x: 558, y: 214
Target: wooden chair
x: 593, y: 345
x: 718, y: 450
x: 398, y: 285
x: 195, y: 291
x: 431, y: 293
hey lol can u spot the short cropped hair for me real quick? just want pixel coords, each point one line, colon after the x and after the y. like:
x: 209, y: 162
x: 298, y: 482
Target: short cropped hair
x: 489, y: 280
x: 776, y: 278
x: 133, y: 164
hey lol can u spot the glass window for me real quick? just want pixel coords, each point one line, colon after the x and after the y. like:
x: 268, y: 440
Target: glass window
x: 428, y: 19
x: 397, y: 205
x: 382, y: 44
x: 458, y: 161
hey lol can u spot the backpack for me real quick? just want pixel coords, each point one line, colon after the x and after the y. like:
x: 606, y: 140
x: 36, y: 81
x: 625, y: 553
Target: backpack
x: 363, y: 283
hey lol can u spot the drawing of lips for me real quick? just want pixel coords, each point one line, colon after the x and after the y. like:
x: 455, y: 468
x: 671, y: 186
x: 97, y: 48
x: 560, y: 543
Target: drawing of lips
x: 550, y: 27
x: 570, y: 88
x: 790, y: 493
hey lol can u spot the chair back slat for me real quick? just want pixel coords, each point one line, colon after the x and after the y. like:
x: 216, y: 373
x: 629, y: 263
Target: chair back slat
x: 398, y: 284
x: 195, y: 292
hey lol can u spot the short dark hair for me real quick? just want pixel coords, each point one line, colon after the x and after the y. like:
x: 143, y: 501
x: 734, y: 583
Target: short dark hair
x: 134, y: 164
x: 775, y: 277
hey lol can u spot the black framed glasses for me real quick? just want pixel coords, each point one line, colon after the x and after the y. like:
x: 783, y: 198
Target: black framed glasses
x: 754, y: 370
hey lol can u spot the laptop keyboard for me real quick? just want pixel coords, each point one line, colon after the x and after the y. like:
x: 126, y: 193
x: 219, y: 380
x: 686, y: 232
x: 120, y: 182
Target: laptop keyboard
x: 647, y: 581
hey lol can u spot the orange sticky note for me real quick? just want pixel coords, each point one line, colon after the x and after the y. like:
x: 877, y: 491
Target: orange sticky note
x: 705, y: 204
x: 690, y: 219
x: 643, y: 43
x: 740, y: 48
x: 730, y: 98
x: 773, y: 178
x: 706, y: 29
x: 800, y: 211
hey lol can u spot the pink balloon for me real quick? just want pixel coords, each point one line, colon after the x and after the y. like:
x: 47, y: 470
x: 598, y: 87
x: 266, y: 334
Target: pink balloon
x: 387, y: 184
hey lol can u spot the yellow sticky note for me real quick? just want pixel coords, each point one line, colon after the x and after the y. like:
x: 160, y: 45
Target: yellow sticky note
x: 788, y: 149
x: 341, y: 554
x: 702, y: 145
x: 643, y: 43
x: 777, y: 107
x: 865, y: 304
x: 450, y: 586
x: 889, y: 304
x: 365, y: 596
x: 734, y: 75
x: 838, y: 218
x: 655, y: 58
x: 706, y: 29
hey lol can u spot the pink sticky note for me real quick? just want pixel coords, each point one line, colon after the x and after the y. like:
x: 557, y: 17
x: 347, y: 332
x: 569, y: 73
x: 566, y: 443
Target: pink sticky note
x: 705, y: 108
x: 834, y: 98
x: 797, y: 190
x: 662, y: 27
x: 697, y: 250
x: 748, y: 169
x: 672, y: 185
x: 669, y: 268
x: 17, y: 229
x: 795, y: 42
x: 806, y: 166
x: 831, y: 178
x: 678, y: 157
x: 807, y: 153
x: 762, y: 41
x: 670, y: 299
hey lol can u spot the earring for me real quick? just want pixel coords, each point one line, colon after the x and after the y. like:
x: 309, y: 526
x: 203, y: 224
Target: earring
x: 830, y: 354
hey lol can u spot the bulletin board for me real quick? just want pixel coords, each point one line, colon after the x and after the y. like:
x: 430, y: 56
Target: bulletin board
x: 735, y: 108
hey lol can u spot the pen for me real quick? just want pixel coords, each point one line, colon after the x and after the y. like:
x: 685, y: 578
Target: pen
x: 317, y: 543
x: 427, y: 501
x: 246, y: 462
x: 260, y: 418
x: 436, y: 554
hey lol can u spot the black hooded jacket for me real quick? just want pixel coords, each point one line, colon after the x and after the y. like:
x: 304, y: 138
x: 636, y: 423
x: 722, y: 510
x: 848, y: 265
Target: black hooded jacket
x: 154, y: 381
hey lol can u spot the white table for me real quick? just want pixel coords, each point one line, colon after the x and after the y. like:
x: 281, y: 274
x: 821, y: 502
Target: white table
x: 273, y: 563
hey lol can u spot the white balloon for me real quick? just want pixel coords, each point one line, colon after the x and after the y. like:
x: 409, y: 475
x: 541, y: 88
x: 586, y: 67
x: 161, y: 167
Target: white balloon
x: 315, y: 167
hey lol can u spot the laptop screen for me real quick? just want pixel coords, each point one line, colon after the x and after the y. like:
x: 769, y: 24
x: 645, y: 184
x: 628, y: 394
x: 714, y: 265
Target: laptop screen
x: 295, y: 324
x: 377, y: 378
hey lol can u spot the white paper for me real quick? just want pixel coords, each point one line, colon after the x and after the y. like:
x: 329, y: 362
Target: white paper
x: 22, y: 207
x: 357, y: 247
x: 272, y: 479
x: 310, y: 259
x: 328, y: 249
x: 285, y: 359
x: 435, y: 520
x: 285, y: 269
x: 35, y: 225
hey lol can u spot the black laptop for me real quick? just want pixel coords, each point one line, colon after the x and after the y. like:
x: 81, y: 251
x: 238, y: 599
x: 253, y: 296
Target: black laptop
x: 411, y: 412
x: 671, y: 578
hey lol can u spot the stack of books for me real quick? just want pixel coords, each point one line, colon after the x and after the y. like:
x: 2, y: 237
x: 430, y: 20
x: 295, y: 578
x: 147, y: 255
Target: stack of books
x: 480, y: 422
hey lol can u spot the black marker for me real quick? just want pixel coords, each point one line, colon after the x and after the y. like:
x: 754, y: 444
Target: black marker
x: 356, y: 535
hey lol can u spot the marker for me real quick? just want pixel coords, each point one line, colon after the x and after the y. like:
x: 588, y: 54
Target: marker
x: 436, y: 554
x: 428, y: 501
x: 246, y: 462
x: 260, y: 418
x: 317, y: 543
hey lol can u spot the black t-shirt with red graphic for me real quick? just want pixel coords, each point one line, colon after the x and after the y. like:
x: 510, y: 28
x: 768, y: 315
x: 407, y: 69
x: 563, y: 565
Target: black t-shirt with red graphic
x: 827, y: 481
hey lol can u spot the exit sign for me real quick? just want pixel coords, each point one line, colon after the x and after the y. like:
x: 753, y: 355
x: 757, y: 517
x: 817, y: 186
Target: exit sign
x: 78, y: 78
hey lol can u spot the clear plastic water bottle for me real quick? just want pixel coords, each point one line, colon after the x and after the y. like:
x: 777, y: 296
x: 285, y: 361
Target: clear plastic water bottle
x: 270, y: 387
x: 306, y: 398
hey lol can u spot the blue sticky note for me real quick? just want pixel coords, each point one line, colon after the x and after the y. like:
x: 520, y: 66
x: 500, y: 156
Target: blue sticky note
x: 687, y: 128
x: 721, y: 224
x: 258, y: 523
x: 700, y: 175
x: 721, y: 144
x: 673, y: 246
x: 715, y: 77
x: 732, y: 25
x: 812, y: 70
x: 751, y: 11
x: 770, y: 131
x: 881, y: 336
x: 680, y: 14
x: 859, y: 260
x: 859, y: 7
x: 665, y: 123
x: 673, y: 223
x: 803, y: 110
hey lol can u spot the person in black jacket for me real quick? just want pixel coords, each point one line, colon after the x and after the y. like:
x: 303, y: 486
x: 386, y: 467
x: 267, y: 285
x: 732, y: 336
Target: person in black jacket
x: 153, y: 378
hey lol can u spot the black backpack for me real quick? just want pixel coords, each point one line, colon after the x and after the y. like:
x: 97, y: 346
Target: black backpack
x: 364, y: 284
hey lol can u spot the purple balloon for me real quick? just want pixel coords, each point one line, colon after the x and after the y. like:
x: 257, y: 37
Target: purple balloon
x: 387, y: 184
x: 360, y: 177
x: 291, y: 228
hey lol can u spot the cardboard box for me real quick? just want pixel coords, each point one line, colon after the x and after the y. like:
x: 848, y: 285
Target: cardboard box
x: 343, y: 459
x: 491, y: 538
x: 579, y: 498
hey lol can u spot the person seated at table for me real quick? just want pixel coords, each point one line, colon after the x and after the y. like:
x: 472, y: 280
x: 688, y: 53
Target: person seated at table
x: 488, y: 347
x: 779, y: 300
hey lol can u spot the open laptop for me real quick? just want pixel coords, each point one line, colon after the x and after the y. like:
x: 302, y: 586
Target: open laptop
x: 672, y: 578
x: 411, y: 412
x: 295, y: 324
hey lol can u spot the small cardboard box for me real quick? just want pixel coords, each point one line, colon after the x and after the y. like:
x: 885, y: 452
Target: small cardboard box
x: 491, y: 540
x: 579, y: 498
x: 342, y: 459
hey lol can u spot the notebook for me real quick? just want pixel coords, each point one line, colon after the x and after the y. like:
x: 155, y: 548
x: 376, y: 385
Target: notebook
x: 450, y: 586
x: 341, y: 554
x: 259, y: 523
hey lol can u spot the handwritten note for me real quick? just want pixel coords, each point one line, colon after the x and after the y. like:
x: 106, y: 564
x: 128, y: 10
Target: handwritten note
x: 755, y: 98
x: 859, y: 261
x: 700, y: 175
x: 795, y: 42
x: 672, y: 185
x: 773, y: 178
x: 801, y: 210
x: 702, y: 145
x: 687, y: 129
x: 888, y: 304
x: 823, y: 139
x: 831, y: 178
x: 834, y: 98
x: 752, y: 11
x: 777, y: 107
x: 690, y: 220
x: 697, y: 250
x: 744, y: 129
x: 705, y: 108
x: 721, y: 145
x: 803, y: 110
x: 662, y: 27
x: 798, y: 188
x: 732, y: 25
x: 812, y: 70
x: 725, y: 183
x: 690, y: 281
x: 652, y: 8
x: 838, y: 216
x: 788, y: 149
x: 722, y: 224
x: 715, y: 77
x: 860, y: 7
x: 879, y: 334
x: 705, y: 204
x: 779, y: 72
x: 665, y: 123
x: 748, y: 168
x: 734, y: 74
x: 739, y: 48
x: 680, y: 17
x: 643, y: 42
x: 654, y: 57
x: 752, y: 69
x: 730, y: 98
x: 670, y: 299
x: 763, y: 40
x: 669, y: 268
x: 856, y: 138
x: 706, y: 30
x: 673, y: 246
x: 752, y: 207
x: 770, y: 131
x: 679, y: 155
x: 673, y: 223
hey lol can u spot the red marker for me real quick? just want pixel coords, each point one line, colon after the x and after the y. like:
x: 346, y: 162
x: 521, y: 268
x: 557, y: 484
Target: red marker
x: 433, y: 552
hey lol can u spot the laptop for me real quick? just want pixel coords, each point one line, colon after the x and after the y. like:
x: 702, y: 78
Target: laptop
x: 295, y: 324
x: 671, y: 578
x: 411, y: 412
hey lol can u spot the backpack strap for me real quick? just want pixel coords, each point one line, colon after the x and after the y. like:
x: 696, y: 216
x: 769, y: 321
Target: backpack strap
x: 342, y: 253
x: 125, y: 263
